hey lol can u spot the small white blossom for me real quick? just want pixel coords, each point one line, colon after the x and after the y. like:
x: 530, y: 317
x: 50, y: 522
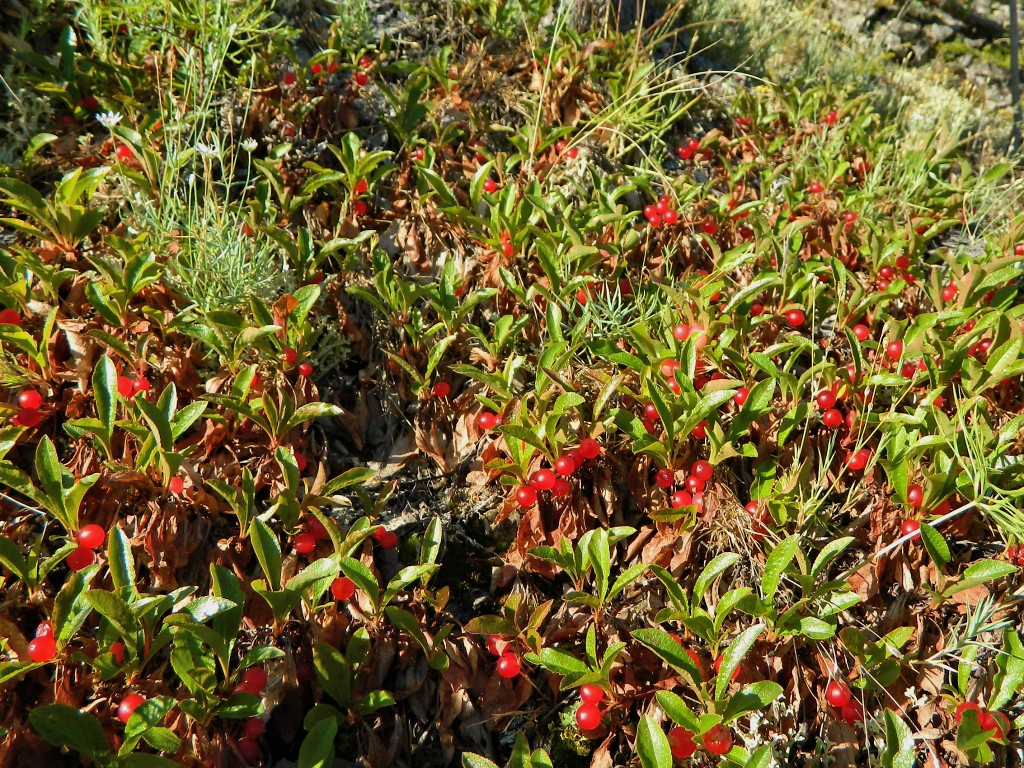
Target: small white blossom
x: 249, y: 144
x: 109, y: 119
x: 206, y: 150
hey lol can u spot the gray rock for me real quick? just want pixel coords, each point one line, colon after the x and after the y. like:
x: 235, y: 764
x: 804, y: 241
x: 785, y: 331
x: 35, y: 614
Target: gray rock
x: 938, y: 33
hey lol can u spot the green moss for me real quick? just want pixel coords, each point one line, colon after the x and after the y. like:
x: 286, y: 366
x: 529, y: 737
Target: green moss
x: 996, y: 54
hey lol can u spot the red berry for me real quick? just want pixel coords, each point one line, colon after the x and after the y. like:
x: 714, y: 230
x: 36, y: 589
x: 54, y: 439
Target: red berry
x: 995, y: 721
x: 122, y: 153
x: 894, y: 349
x: 255, y: 678
x: 664, y: 478
x: 289, y: 79
x: 490, y: 186
x: 128, y: 705
x: 526, y: 496
x: 958, y: 714
x: 562, y: 489
x: 254, y: 728
x: 387, y: 539
x: 670, y: 217
x: 702, y: 470
x: 80, y: 557
x: 837, y: 693
x: 795, y: 318
x: 250, y: 750
x: 117, y: 651
x: 681, y: 743
x: 508, y: 665
x: 588, y: 717
x: 305, y: 543
x: 718, y: 740
x: 681, y: 332
x: 542, y: 480
x: 125, y: 386
x: 681, y: 499
x: 91, y: 536
x: 289, y: 355
x: 825, y: 399
x: 814, y: 188
x: 708, y: 227
x: 862, y: 332
x: 176, y: 485
x: 911, y: 528
x: 343, y: 588
x: 915, y: 495
x: 651, y: 411
x: 852, y: 713
x: 365, y: 61
x: 359, y: 207
x: 741, y: 396
x: 27, y: 417
x: 30, y: 399
x: 10, y: 317
x: 565, y: 466
x: 305, y: 369
x: 856, y: 460
x: 442, y: 389
x: 832, y: 418
x: 315, y: 69
x: 701, y: 430
x: 485, y: 421
x: 590, y: 448
x: 361, y: 78
x: 42, y: 649
x: 591, y: 694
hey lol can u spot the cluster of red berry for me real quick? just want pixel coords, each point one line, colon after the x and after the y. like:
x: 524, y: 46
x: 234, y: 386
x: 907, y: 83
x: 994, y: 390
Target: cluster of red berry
x: 838, y: 695
x: 289, y: 357
x: 692, y: 492
x: 572, y: 152
x: 557, y: 481
x: 989, y: 721
x: 662, y: 212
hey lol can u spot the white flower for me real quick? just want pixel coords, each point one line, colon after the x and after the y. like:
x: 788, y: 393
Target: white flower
x: 206, y: 150
x: 109, y: 119
x: 249, y: 144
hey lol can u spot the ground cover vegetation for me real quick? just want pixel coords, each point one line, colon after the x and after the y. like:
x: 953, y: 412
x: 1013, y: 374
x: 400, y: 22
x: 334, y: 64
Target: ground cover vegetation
x: 479, y: 386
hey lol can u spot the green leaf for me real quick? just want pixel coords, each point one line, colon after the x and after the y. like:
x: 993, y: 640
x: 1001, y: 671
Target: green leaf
x: 317, y: 750
x: 268, y: 551
x: 309, y: 412
x: 665, y: 646
x: 333, y: 672
x: 120, y: 560
x: 733, y: 655
x: 115, y: 610
x: 65, y: 726
x: 70, y: 608
x: 777, y: 562
x: 363, y: 577
x: 678, y: 710
x: 471, y: 760
x: 751, y: 697
x: 935, y: 544
x: 981, y: 572
x: 404, y: 578
x: 346, y: 479
x: 652, y: 745
x: 830, y: 552
x: 711, y: 571
x: 12, y: 558
x: 899, y: 742
x: 561, y: 663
